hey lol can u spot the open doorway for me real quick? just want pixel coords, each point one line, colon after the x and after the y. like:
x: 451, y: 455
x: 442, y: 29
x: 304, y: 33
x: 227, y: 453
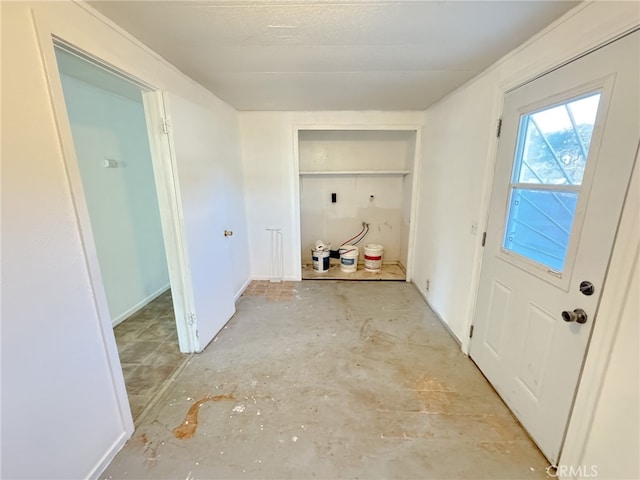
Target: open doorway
x: 107, y: 119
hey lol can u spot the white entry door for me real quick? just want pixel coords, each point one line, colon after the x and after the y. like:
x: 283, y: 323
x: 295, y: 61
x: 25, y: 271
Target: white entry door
x: 191, y: 178
x: 564, y: 161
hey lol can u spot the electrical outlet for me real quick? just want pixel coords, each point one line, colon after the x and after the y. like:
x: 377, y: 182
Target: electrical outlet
x: 474, y: 228
x: 428, y: 285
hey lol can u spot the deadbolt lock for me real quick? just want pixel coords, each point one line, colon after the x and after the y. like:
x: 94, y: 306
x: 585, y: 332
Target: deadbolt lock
x: 587, y: 288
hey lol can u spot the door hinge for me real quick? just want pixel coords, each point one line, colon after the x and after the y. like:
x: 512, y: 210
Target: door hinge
x: 484, y: 238
x: 471, y: 331
x: 499, y: 128
x: 191, y: 318
x: 165, y: 125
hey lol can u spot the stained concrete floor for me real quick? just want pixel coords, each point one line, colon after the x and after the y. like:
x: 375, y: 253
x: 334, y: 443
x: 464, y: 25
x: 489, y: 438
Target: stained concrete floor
x: 346, y: 380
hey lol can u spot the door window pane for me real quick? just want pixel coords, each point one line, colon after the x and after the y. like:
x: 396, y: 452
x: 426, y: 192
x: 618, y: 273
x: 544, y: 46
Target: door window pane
x: 554, y: 143
x: 539, y: 225
x: 551, y: 157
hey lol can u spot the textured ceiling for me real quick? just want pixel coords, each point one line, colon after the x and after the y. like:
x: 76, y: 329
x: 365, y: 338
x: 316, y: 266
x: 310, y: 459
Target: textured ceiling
x: 317, y: 55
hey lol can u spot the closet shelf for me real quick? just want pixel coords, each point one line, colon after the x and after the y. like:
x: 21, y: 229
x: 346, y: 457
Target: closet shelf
x: 368, y: 173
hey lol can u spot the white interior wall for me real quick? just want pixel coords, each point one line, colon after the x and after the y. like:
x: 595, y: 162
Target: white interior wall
x: 122, y: 201
x: 376, y: 200
x: 64, y: 406
x: 456, y: 139
x: 355, y: 150
x: 338, y: 222
x: 271, y: 174
x: 455, y: 184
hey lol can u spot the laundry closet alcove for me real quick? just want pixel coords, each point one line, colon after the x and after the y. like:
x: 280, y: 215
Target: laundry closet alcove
x: 351, y: 177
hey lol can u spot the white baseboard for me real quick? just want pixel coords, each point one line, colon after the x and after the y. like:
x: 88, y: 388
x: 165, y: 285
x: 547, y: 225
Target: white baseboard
x: 242, y: 289
x: 267, y: 277
x: 143, y: 303
x: 440, y: 319
x: 106, y: 459
x: 260, y: 277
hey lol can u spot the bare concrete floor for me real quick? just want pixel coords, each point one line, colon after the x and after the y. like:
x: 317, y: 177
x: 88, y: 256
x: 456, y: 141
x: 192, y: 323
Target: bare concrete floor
x: 345, y: 380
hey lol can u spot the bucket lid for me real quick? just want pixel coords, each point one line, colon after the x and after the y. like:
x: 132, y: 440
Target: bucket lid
x: 373, y: 246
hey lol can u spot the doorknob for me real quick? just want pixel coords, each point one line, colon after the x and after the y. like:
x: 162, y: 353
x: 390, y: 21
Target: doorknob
x: 228, y: 233
x: 578, y: 316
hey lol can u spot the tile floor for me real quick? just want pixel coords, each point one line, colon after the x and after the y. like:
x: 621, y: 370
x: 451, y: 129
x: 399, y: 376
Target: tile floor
x: 273, y: 292
x: 343, y: 380
x: 149, y: 353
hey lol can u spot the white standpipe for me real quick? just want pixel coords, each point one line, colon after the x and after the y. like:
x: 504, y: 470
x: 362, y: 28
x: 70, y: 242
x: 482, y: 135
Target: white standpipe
x: 276, y: 267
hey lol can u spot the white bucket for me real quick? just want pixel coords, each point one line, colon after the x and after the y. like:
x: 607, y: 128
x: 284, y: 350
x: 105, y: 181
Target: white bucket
x: 349, y: 258
x: 321, y: 259
x: 373, y: 257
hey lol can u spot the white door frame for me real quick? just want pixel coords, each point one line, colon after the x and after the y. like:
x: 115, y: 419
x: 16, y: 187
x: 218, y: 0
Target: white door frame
x: 48, y: 40
x: 169, y: 200
x: 74, y: 180
x: 615, y: 292
x: 168, y: 196
x: 415, y: 185
x: 603, y: 335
